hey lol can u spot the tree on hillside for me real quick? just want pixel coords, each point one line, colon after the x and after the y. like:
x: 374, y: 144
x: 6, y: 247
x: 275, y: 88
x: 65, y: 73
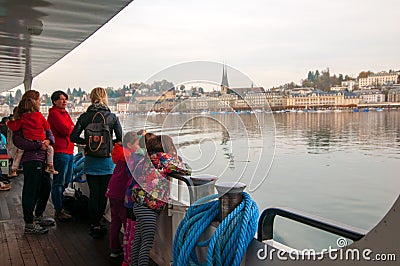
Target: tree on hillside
x: 364, y: 74
x: 162, y: 86
x: 341, y: 78
x: 306, y: 83
x: 18, y: 96
x: 11, y: 99
x: 311, y: 76
x: 111, y: 93
x: 347, y: 78
x: 323, y: 81
x: 291, y: 86
x: 316, y: 76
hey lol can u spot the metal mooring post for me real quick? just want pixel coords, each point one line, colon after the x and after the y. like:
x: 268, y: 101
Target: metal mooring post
x: 230, y: 196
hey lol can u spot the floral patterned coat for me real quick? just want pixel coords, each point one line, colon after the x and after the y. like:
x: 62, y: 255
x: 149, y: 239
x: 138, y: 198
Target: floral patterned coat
x: 152, y: 188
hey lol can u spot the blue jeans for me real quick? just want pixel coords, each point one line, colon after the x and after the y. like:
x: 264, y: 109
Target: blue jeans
x: 63, y: 163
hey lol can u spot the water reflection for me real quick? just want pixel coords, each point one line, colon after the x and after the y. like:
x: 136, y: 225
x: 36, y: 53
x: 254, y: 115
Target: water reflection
x: 329, y: 132
x: 341, y: 166
x: 227, y: 149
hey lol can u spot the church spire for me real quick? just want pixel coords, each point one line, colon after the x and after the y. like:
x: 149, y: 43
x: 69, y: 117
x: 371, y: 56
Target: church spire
x: 224, y: 82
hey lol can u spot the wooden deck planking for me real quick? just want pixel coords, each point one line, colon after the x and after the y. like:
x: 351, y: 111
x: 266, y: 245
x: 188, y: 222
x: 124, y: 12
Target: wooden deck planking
x: 15, y: 255
x: 5, y: 254
x: 66, y: 243
x: 65, y: 256
x: 4, y: 213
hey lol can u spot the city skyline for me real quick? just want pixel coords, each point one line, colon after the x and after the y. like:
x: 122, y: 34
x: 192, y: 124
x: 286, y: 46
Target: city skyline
x: 273, y: 43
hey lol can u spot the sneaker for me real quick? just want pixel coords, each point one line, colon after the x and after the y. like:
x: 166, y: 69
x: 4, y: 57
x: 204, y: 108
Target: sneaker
x: 4, y: 186
x: 44, y: 221
x: 50, y: 169
x: 5, y: 181
x: 62, y: 216
x: 13, y: 173
x: 116, y: 253
x: 35, y: 229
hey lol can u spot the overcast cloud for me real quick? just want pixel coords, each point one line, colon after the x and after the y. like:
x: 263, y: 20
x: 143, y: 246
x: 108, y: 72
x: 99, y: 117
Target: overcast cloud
x: 273, y: 42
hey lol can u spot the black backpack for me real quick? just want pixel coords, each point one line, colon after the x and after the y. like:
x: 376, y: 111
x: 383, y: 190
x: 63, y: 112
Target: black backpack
x: 98, y: 138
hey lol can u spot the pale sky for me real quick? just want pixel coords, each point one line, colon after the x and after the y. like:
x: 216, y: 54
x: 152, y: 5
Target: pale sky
x: 272, y: 42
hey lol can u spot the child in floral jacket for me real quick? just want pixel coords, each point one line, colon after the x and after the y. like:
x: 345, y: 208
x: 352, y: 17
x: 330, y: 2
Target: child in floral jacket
x: 151, y: 191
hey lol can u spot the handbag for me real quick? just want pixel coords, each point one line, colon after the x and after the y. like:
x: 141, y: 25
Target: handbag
x: 75, y: 202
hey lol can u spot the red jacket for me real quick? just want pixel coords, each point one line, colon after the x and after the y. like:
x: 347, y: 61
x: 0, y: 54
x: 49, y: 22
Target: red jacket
x: 120, y: 153
x: 33, y: 126
x: 61, y: 125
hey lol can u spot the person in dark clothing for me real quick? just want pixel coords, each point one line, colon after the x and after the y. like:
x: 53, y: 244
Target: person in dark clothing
x: 37, y: 183
x: 3, y: 126
x: 98, y: 170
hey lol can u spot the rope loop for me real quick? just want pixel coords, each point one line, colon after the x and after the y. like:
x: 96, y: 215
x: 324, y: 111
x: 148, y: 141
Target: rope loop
x: 228, y: 244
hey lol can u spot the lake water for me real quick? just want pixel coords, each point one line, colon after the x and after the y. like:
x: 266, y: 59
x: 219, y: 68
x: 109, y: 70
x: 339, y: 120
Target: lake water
x: 342, y: 166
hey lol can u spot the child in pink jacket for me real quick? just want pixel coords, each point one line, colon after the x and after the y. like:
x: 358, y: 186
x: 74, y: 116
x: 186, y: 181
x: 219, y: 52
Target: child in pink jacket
x: 116, y: 190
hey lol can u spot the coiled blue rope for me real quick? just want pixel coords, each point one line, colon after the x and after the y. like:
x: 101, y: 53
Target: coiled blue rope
x: 228, y: 244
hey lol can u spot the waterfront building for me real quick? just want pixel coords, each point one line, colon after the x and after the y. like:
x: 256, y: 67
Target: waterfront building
x: 275, y: 100
x: 203, y: 102
x: 142, y: 106
x: 350, y: 99
x: 164, y: 105
x: 44, y: 109
x: 381, y: 78
x: 394, y: 95
x: 349, y: 84
x: 241, y: 104
x: 228, y: 99
x: 122, y: 107
x: 338, y: 88
x: 257, y: 100
x: 142, y: 96
x: 301, y: 91
x: 154, y: 102
x: 77, y: 109
x: 320, y: 99
x: 370, y: 96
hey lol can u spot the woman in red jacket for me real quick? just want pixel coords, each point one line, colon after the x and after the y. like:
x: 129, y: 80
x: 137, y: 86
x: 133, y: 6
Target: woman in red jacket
x: 61, y: 125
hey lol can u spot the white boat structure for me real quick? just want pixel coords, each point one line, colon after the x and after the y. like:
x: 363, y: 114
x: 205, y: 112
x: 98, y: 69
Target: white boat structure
x: 37, y: 33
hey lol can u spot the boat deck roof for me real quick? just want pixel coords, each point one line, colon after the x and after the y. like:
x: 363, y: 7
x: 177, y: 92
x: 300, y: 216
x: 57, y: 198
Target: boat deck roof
x: 66, y: 243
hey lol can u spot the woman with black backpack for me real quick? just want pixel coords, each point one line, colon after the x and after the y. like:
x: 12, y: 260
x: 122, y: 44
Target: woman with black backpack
x: 99, y: 125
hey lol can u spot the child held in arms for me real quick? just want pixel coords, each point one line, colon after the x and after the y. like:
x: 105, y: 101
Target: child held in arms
x: 34, y: 125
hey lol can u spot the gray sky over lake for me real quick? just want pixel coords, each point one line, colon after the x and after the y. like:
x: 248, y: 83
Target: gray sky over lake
x: 272, y: 42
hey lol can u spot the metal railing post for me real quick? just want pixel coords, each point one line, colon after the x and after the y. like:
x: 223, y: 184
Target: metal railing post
x: 204, y: 185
